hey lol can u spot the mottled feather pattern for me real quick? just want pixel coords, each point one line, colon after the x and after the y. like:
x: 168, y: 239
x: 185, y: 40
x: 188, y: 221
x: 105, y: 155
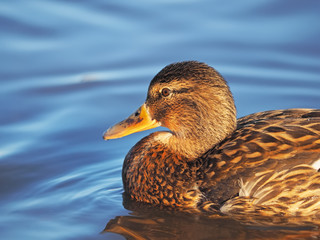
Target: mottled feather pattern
x: 268, y: 160
x: 157, y: 178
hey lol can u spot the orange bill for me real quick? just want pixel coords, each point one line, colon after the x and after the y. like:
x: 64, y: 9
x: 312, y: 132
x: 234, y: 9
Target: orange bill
x: 137, y: 122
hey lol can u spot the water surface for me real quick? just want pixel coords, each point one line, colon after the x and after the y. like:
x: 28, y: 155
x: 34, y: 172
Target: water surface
x: 70, y: 69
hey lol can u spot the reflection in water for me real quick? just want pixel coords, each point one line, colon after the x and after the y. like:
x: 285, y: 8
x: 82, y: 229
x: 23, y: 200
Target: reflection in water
x: 146, y: 222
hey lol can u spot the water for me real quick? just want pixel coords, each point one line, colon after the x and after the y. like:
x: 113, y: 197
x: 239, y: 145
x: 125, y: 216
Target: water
x: 70, y: 69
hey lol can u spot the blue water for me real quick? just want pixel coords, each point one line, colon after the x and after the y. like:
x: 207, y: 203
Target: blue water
x: 70, y: 69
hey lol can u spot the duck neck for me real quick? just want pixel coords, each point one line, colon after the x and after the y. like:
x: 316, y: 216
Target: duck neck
x: 193, y: 143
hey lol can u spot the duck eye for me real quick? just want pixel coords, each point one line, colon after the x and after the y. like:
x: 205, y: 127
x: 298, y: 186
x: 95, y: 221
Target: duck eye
x: 165, y: 92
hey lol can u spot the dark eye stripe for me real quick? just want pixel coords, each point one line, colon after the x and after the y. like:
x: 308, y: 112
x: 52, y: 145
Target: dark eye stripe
x: 165, y: 92
x: 182, y: 90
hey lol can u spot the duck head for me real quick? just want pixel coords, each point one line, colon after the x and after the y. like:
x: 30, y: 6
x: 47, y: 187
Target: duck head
x: 193, y: 101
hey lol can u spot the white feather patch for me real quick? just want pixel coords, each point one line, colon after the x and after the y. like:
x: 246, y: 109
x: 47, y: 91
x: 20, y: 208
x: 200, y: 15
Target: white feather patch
x: 163, y: 136
x: 316, y: 165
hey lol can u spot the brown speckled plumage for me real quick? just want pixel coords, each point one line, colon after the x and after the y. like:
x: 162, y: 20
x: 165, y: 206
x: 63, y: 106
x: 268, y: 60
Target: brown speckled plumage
x: 261, y: 164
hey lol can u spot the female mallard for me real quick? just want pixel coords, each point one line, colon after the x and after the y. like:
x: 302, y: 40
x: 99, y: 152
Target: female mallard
x: 265, y: 163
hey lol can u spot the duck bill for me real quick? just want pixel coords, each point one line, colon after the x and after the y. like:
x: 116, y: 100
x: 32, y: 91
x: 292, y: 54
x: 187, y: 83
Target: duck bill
x: 137, y: 122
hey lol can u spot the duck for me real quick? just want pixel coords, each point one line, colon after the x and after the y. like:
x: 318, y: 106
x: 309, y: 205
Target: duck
x: 208, y: 161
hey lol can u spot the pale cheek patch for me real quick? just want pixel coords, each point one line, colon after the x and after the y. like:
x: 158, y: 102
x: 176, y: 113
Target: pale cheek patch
x: 316, y: 165
x: 163, y: 136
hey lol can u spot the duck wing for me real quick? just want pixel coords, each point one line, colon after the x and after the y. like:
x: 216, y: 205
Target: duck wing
x: 272, y: 158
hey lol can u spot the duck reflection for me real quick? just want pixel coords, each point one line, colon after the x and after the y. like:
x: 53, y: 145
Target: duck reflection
x: 147, y: 222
